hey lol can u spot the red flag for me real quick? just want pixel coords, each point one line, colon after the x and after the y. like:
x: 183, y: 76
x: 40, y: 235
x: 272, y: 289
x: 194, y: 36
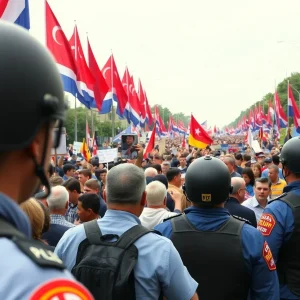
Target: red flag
x: 143, y: 103
x: 100, y: 87
x: 114, y: 82
x: 95, y: 147
x: 86, y: 80
x: 151, y: 144
x: 149, y: 117
x: 198, y: 136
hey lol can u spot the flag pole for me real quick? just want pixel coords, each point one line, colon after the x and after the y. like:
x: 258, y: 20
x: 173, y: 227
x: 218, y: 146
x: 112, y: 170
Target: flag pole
x: 112, y: 106
x: 287, y: 107
x: 75, y: 97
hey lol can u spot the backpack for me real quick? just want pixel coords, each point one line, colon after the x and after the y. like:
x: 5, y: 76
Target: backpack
x: 106, y: 268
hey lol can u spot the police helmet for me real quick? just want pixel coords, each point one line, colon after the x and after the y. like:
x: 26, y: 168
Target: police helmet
x: 31, y: 92
x: 207, y: 181
x: 290, y: 155
x: 31, y: 89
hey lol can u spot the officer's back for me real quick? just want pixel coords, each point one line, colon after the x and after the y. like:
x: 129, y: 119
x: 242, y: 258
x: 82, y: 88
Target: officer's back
x: 223, y: 254
x: 30, y: 88
x: 158, y: 268
x: 280, y: 223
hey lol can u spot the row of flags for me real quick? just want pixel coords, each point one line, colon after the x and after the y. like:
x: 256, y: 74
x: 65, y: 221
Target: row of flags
x: 273, y: 121
x: 83, y: 78
x: 93, y: 87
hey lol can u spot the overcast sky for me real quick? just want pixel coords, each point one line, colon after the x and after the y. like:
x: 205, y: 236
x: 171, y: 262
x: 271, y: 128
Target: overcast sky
x: 212, y: 58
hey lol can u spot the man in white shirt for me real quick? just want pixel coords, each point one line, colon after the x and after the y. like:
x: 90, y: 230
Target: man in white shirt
x: 156, y: 211
x: 262, y: 190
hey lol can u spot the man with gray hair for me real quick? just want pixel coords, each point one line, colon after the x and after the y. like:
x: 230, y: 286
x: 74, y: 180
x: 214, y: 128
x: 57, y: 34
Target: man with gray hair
x: 58, y: 205
x: 236, y: 198
x: 156, y: 198
x: 159, y: 269
x: 150, y: 172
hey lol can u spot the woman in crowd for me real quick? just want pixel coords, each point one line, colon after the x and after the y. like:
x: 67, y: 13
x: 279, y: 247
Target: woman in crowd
x: 256, y: 168
x: 249, y: 178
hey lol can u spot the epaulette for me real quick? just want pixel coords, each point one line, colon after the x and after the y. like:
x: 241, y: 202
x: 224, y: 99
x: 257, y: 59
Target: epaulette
x: 278, y: 198
x: 164, y: 220
x: 242, y: 219
x: 38, y: 252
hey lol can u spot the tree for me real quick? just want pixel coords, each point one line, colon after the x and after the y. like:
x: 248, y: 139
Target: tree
x: 103, y: 128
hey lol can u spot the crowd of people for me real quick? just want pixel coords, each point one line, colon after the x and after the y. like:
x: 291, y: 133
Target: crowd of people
x: 179, y: 224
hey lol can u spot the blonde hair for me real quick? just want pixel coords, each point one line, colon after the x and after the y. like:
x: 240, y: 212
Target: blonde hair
x: 36, y: 216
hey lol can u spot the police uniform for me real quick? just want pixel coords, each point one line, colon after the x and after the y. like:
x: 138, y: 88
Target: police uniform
x: 226, y: 256
x: 280, y: 225
x: 263, y: 281
x: 158, y: 266
x: 28, y: 269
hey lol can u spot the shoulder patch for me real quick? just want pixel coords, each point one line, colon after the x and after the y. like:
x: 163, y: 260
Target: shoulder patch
x: 242, y: 219
x: 268, y: 257
x: 39, y: 253
x: 266, y: 224
x: 63, y: 289
x: 164, y: 220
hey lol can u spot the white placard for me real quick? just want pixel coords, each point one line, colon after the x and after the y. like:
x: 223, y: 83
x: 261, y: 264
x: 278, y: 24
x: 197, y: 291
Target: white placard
x: 107, y: 155
x: 142, y: 138
x: 76, y: 147
x: 256, y: 146
x: 62, y: 148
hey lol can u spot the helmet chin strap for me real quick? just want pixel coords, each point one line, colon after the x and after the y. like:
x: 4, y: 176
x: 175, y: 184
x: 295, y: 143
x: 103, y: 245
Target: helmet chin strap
x: 39, y: 167
x: 283, y: 173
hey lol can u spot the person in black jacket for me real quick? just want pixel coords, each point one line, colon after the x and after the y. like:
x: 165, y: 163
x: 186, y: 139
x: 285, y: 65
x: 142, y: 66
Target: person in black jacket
x: 235, y: 200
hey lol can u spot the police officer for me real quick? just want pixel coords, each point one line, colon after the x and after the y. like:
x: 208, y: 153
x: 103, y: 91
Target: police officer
x: 280, y: 223
x: 32, y: 101
x: 227, y: 257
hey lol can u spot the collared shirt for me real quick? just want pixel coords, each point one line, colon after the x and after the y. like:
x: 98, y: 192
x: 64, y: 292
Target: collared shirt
x: 15, y: 265
x: 60, y: 220
x: 151, y: 217
x: 65, y: 178
x: 71, y: 214
x: 253, y: 204
x: 264, y: 282
x: 277, y: 188
x: 282, y: 230
x: 158, y: 266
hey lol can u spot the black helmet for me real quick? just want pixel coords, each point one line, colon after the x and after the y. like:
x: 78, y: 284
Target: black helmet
x: 290, y: 155
x: 207, y: 181
x: 31, y: 90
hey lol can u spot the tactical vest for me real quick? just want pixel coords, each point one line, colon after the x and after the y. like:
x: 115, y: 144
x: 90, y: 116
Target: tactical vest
x: 288, y: 262
x: 213, y: 258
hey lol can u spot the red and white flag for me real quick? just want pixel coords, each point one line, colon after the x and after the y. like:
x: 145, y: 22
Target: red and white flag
x: 151, y: 144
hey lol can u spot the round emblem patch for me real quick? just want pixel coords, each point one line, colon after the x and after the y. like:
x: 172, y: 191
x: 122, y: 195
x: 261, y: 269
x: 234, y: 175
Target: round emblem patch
x: 61, y: 289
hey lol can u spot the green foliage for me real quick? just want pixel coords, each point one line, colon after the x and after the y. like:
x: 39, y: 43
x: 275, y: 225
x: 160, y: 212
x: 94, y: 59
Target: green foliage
x: 294, y: 80
x: 103, y: 127
x: 165, y: 114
